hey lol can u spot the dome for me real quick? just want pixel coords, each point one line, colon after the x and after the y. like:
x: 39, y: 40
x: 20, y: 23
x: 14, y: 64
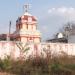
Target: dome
x: 60, y: 35
x: 27, y: 17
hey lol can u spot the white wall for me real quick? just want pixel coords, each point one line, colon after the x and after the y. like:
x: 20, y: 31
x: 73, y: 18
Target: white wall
x: 14, y: 49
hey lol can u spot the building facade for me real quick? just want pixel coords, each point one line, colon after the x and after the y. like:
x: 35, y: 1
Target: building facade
x: 26, y: 29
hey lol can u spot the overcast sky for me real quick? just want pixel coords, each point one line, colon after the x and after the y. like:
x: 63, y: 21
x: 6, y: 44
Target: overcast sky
x: 51, y: 14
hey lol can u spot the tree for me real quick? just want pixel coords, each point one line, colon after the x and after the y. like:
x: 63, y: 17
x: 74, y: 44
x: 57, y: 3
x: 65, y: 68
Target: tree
x: 23, y: 49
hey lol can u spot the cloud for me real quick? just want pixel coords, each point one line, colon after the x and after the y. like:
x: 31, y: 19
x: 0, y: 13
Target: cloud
x: 67, y: 12
x: 54, y: 19
x: 62, y: 10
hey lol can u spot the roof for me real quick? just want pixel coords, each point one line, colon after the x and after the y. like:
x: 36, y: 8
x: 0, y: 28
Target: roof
x: 62, y: 40
x: 27, y: 17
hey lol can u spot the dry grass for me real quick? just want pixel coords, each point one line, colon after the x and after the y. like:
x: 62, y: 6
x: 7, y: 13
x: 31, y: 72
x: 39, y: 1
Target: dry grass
x: 4, y: 73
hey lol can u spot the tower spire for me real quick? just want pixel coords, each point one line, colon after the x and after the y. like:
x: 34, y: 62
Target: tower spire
x: 26, y: 7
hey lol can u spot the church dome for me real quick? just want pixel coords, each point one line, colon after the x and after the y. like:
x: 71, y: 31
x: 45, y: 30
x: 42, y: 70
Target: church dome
x: 27, y: 17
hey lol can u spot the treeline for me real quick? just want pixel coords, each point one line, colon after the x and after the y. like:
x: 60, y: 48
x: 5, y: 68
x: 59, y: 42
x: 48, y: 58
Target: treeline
x: 63, y: 65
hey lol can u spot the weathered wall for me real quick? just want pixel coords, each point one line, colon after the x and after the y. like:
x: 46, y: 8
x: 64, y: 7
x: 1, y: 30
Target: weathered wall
x: 17, y: 49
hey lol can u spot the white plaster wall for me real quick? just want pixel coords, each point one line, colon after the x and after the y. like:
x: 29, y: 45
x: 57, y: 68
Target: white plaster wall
x: 12, y: 49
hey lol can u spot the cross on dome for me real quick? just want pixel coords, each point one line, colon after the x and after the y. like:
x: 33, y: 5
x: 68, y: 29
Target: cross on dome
x: 26, y: 7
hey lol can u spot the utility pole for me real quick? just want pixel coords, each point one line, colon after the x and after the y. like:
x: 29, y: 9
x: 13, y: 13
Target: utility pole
x: 8, y: 35
x: 9, y: 28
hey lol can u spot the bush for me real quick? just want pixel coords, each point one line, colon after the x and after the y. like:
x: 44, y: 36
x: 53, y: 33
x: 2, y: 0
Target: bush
x: 38, y: 66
